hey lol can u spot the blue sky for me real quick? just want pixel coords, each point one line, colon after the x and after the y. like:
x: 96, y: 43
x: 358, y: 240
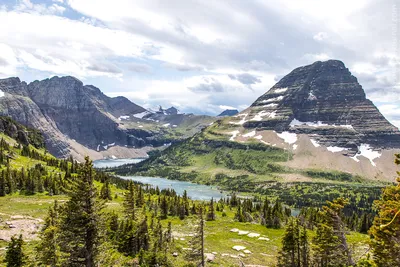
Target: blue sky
x: 200, y: 56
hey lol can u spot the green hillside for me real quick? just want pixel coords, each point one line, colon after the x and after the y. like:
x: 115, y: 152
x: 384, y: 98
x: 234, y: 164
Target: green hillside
x: 251, y: 168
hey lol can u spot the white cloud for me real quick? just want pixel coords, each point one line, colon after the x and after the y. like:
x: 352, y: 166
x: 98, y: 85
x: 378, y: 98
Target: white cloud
x: 8, y: 61
x: 364, y: 67
x: 320, y: 36
x: 64, y: 46
x: 223, y: 107
x: 124, y: 44
x: 28, y: 6
x: 316, y: 57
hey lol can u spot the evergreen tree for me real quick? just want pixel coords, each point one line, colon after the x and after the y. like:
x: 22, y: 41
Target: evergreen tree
x: 197, y: 242
x: 385, y: 230
x: 105, y: 192
x: 295, y: 251
x: 15, y: 256
x: 127, y: 239
x: 239, y: 213
x: 2, y: 184
x: 211, y: 211
x: 81, y: 222
x: 48, y: 249
x: 164, y: 208
x: 130, y: 202
x: 330, y: 244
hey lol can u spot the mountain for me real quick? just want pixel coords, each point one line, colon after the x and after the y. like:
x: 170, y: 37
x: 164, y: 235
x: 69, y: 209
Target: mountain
x: 326, y: 102
x: 315, y: 125
x: 228, y: 112
x: 78, y: 119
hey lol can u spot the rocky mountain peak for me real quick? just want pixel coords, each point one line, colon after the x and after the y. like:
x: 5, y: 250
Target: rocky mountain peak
x: 325, y: 101
x: 64, y: 108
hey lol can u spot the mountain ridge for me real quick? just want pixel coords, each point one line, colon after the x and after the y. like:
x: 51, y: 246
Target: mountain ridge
x: 80, y: 120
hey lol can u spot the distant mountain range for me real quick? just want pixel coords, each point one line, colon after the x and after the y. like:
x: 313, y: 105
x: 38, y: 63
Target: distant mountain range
x: 80, y: 120
x: 228, y: 112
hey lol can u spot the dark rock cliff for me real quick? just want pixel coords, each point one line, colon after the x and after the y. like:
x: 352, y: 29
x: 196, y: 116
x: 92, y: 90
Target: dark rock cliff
x: 65, y: 107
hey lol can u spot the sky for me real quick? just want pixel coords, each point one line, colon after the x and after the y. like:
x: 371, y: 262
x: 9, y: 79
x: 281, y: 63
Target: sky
x: 197, y: 55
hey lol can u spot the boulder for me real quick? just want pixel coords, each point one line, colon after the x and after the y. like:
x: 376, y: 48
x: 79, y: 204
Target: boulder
x: 238, y: 248
x: 209, y: 257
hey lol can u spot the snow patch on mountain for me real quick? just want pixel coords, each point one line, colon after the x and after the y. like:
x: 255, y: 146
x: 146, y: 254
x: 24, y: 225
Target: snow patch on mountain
x: 311, y: 96
x: 289, y: 138
x: 296, y: 122
x: 124, y: 117
x: 275, y: 99
x: 242, y: 121
x: 260, y: 115
x: 367, y: 151
x: 315, y: 143
x: 280, y: 90
x: 142, y: 114
x: 272, y: 105
x: 335, y: 149
x: 266, y: 143
x: 234, y: 134
x: 250, y: 134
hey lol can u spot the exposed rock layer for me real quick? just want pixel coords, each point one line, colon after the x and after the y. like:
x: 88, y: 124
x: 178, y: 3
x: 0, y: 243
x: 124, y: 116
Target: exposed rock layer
x: 326, y: 102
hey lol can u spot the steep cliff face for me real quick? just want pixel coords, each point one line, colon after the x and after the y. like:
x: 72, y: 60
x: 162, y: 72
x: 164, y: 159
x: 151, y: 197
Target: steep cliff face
x: 326, y: 102
x: 63, y: 109
x: 81, y: 112
x: 79, y: 119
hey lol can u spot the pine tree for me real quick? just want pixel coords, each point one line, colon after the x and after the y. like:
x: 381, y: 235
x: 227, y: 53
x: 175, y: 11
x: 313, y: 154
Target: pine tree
x: 168, y: 234
x: 211, y: 211
x: 158, y: 237
x: 197, y: 242
x: 48, y: 250
x: 81, y: 222
x: 105, y: 192
x: 142, y: 235
x: 385, y: 230
x: 15, y: 256
x: 330, y: 245
x: 239, y: 213
x: 130, y: 202
x: 2, y: 184
x: 304, y: 248
x: 295, y: 251
x: 164, y: 208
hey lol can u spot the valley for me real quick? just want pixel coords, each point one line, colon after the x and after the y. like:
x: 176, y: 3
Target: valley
x: 299, y: 158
